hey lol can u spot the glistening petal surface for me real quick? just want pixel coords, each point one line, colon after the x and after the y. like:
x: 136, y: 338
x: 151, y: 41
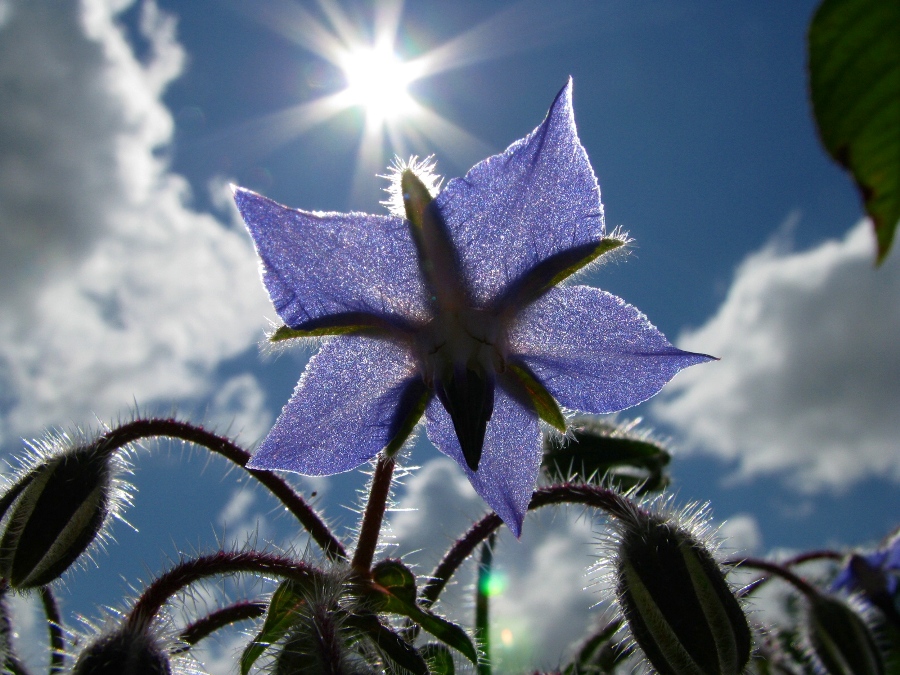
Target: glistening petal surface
x: 343, y: 410
x: 509, y: 462
x: 594, y: 352
x: 514, y: 210
x: 320, y: 264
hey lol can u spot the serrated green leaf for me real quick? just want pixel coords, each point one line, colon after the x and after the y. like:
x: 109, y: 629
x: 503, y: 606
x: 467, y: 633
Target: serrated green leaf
x: 281, y: 616
x: 854, y: 72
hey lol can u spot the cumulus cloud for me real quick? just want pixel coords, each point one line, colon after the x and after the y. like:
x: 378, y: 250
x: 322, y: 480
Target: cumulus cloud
x: 114, y: 288
x: 809, y: 381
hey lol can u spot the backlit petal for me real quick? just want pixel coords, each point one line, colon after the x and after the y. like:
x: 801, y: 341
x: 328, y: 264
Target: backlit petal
x: 514, y: 210
x: 509, y: 461
x: 320, y: 264
x: 594, y: 352
x: 345, y: 409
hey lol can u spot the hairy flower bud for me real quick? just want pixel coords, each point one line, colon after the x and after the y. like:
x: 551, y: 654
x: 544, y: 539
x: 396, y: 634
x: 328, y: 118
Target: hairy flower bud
x: 676, y: 601
x: 840, y: 641
x: 126, y: 652
x: 58, y: 514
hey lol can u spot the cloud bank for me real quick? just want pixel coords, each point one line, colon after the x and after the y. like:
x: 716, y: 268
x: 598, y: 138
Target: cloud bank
x: 809, y: 382
x: 113, y: 289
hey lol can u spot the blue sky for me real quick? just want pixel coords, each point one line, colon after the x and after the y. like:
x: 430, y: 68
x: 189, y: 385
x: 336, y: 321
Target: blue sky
x: 127, y: 277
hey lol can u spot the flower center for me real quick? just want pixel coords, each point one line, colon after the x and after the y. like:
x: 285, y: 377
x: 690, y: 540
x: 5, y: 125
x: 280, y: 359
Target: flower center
x: 460, y: 353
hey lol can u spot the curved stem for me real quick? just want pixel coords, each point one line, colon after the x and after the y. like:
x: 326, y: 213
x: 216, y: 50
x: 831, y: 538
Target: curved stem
x: 201, y: 628
x: 54, y: 626
x: 8, y: 661
x: 370, y: 530
x: 803, y: 586
x: 172, y: 428
x: 790, y: 562
x: 222, y: 562
x: 568, y: 493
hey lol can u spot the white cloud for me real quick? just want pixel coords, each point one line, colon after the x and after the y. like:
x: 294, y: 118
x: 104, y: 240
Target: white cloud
x: 809, y: 381
x: 239, y: 410
x: 741, y: 535
x: 114, y: 288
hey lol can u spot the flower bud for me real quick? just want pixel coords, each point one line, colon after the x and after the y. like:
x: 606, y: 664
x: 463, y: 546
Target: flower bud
x: 840, y: 641
x: 58, y: 514
x: 126, y: 652
x: 676, y: 601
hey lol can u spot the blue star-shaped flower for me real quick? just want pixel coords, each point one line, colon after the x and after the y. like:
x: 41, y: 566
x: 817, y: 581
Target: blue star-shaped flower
x: 454, y: 311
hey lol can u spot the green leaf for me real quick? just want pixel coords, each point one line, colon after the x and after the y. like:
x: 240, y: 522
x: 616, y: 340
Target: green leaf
x: 596, y: 451
x: 391, y: 645
x: 397, y: 594
x: 439, y: 658
x: 854, y: 73
x: 287, y: 599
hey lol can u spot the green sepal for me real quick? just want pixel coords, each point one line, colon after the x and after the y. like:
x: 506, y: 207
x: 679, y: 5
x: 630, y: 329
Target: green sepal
x: 854, y: 81
x: 422, y: 395
x: 389, y: 643
x: 525, y: 384
x: 439, y: 658
x: 416, y: 197
x: 552, y: 271
x: 280, y: 618
x: 841, y: 641
x: 595, y: 451
x: 395, y: 586
x: 286, y: 333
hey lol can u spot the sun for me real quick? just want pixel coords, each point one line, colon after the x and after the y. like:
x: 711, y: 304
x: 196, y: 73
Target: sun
x: 378, y: 81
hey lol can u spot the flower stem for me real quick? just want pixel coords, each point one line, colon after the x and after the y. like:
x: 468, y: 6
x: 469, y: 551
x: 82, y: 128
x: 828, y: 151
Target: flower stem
x: 172, y: 428
x: 221, y: 562
x: 369, y: 531
x: 790, y: 562
x: 201, y: 628
x: 54, y: 626
x: 773, y: 568
x: 567, y: 493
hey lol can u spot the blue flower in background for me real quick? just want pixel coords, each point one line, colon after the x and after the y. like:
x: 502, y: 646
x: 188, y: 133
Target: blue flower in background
x: 452, y: 308
x: 874, y: 574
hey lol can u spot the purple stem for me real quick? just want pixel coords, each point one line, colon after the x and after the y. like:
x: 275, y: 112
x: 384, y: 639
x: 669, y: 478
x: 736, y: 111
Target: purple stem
x: 201, y: 628
x: 370, y: 530
x: 221, y: 562
x: 172, y: 428
x: 568, y: 493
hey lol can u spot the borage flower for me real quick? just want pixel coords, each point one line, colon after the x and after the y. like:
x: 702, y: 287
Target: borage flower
x: 451, y: 307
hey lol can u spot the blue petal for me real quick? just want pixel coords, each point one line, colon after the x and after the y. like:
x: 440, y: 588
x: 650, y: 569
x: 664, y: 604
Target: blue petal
x: 594, y: 352
x: 510, y: 459
x: 344, y: 410
x: 319, y: 264
x: 514, y: 210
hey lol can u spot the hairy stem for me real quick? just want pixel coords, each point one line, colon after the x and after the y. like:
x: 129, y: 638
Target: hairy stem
x: 370, y: 530
x: 567, y: 493
x: 780, y: 571
x: 790, y: 562
x: 222, y: 562
x: 54, y: 627
x: 206, y: 626
x: 172, y: 428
